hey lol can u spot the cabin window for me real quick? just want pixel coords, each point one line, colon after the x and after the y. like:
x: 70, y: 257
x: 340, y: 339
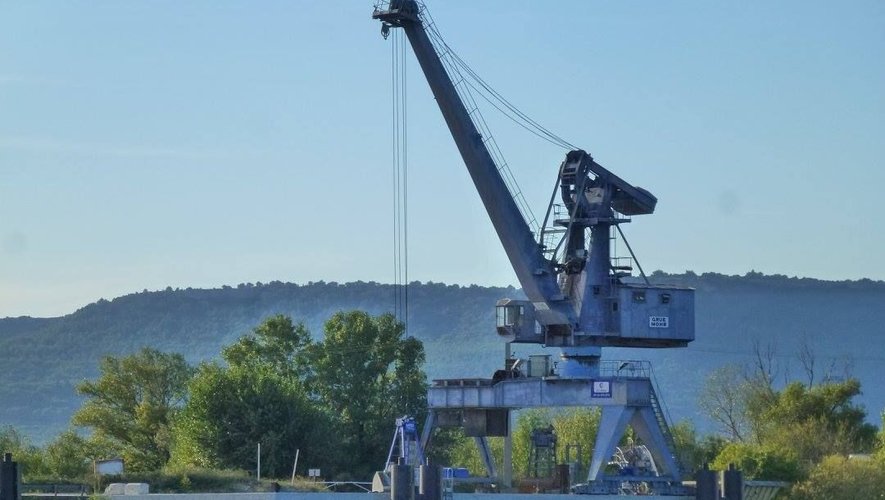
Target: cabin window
x: 639, y: 297
x: 509, y: 315
x: 615, y: 306
x: 665, y: 298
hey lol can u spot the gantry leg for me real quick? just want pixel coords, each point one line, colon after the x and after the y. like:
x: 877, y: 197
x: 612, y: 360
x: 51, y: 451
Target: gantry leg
x: 485, y: 452
x: 611, y: 427
x: 649, y: 431
x: 427, y: 432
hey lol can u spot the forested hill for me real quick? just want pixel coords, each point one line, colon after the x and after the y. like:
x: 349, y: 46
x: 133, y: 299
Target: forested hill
x: 44, y: 358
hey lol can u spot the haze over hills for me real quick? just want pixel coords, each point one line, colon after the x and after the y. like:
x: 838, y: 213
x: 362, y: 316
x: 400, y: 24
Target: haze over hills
x: 44, y: 358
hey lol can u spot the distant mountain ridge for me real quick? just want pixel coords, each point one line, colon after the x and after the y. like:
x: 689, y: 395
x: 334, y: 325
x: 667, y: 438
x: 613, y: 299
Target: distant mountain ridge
x: 44, y: 358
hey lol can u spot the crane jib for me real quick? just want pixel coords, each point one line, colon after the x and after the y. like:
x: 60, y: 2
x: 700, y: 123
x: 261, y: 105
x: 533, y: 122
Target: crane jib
x: 535, y: 272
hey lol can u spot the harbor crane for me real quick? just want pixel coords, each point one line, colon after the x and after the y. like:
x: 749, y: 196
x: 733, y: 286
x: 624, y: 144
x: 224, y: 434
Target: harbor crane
x: 578, y: 298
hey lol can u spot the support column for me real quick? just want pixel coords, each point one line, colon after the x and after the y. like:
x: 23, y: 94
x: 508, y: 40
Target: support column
x: 647, y: 429
x: 427, y: 432
x: 486, y: 453
x: 611, y: 427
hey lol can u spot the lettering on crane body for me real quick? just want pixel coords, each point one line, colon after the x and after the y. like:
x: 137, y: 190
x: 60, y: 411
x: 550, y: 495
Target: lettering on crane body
x: 659, y: 322
x: 601, y: 389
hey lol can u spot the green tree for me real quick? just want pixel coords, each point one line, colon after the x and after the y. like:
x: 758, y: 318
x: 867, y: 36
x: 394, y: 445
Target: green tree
x: 69, y: 456
x: 443, y: 444
x: 66, y: 456
x: 691, y: 452
x: 808, y: 422
x: 576, y: 431
x: 233, y: 409
x: 573, y: 426
x: 465, y: 453
x: 276, y: 343
x: 763, y: 463
x: 526, y: 422
x: 133, y: 404
x: 817, y: 421
x: 367, y: 373
x: 880, y: 446
x: 837, y: 477
x: 409, y: 388
x: 258, y: 397
x: 23, y: 451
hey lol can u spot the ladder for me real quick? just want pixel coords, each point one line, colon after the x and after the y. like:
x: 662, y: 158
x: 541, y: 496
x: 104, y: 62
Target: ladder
x: 662, y: 423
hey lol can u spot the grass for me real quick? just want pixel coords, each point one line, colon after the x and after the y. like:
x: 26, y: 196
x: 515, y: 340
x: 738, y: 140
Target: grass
x: 190, y: 480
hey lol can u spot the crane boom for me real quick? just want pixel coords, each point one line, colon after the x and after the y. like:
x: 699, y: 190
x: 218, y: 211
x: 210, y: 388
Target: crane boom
x: 534, y: 271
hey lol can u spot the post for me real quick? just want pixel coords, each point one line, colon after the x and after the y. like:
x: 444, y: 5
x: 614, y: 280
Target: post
x: 732, y: 483
x: 258, y: 470
x: 295, y: 465
x: 705, y: 480
x: 429, y: 483
x: 563, y: 479
x: 9, y: 479
x: 507, y: 466
x: 401, y: 482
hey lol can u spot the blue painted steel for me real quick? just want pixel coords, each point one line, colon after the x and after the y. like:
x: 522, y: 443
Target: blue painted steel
x: 406, y: 447
x: 577, y: 300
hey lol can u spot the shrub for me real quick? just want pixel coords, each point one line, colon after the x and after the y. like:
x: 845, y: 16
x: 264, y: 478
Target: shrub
x: 759, y: 462
x: 837, y: 477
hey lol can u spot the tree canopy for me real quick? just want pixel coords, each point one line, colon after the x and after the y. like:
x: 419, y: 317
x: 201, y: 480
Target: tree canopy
x: 133, y: 404
x: 843, y: 478
x: 782, y: 433
x: 335, y: 400
x: 257, y: 397
x: 367, y: 373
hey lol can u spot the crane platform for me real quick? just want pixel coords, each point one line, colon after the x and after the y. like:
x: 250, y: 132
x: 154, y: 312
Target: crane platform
x: 624, y: 391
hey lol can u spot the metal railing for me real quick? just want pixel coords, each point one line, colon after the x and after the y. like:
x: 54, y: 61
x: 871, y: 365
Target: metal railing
x: 625, y: 368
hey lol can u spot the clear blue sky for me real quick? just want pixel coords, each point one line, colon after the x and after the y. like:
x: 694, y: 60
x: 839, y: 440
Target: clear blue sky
x: 202, y: 143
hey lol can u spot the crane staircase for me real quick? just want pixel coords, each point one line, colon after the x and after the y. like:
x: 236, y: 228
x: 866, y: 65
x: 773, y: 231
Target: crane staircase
x: 661, y: 418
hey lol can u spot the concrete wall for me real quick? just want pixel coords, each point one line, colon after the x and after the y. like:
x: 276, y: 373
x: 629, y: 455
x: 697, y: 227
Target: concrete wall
x: 365, y: 496
x: 523, y: 496
x: 255, y: 496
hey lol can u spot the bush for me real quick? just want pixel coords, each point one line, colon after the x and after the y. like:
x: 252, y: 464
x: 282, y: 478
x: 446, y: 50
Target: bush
x: 199, y: 480
x: 844, y: 479
x: 186, y: 480
x: 759, y: 462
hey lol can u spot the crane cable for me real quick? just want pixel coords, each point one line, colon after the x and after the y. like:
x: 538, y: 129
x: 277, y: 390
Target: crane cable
x: 458, y: 67
x: 490, y: 94
x: 466, y: 83
x: 400, y: 181
x: 462, y: 86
